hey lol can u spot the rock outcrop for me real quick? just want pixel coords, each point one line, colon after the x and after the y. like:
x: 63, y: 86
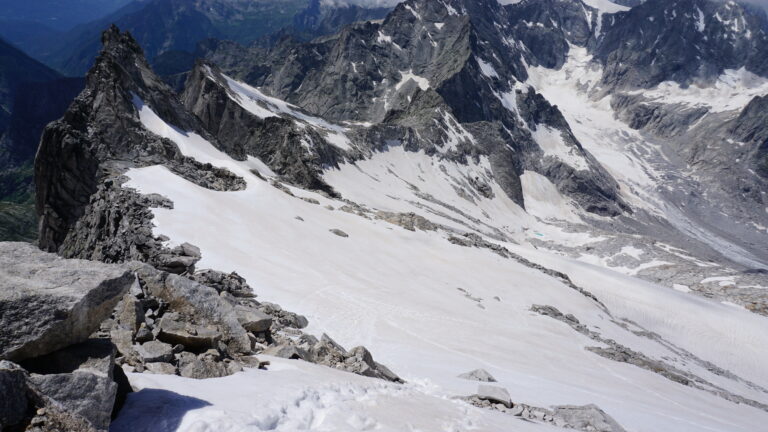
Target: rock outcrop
x: 61, y: 379
x: 81, y: 207
x: 48, y: 303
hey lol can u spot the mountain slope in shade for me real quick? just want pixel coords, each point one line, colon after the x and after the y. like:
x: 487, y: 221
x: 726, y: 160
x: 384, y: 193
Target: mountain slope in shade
x: 31, y: 95
x: 174, y: 25
x: 324, y: 18
x: 683, y: 41
x: 60, y: 15
x: 15, y: 69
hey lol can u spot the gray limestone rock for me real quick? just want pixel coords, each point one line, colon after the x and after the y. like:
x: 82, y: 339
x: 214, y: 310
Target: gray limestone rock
x: 252, y: 319
x: 47, y: 303
x: 209, y: 316
x: 494, y: 394
x: 155, y: 352
x: 478, y: 375
x: 13, y: 388
x: 189, y: 335
x: 79, y: 378
x: 204, y: 368
x: 161, y: 368
x: 586, y: 418
x: 339, y: 232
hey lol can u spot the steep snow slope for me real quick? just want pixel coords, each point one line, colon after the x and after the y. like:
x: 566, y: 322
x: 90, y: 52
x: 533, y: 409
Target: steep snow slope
x: 431, y: 309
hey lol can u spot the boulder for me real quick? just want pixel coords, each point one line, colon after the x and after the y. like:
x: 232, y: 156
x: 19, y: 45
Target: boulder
x: 48, y: 303
x: 155, y: 352
x: 328, y: 353
x: 201, y: 304
x: 191, y: 336
x: 23, y: 404
x: 360, y: 361
x: 252, y: 319
x: 587, y: 417
x: 231, y: 283
x: 287, y: 350
x: 339, y: 232
x: 129, y: 313
x: 478, y: 375
x: 80, y: 379
x: 13, y: 388
x: 494, y: 394
x: 160, y: 368
x: 204, y: 368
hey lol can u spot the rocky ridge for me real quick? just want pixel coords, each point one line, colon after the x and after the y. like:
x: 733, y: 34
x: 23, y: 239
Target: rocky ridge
x: 406, y: 80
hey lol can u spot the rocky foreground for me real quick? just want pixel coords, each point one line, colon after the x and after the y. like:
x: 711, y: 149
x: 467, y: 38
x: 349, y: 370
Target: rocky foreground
x: 72, y: 328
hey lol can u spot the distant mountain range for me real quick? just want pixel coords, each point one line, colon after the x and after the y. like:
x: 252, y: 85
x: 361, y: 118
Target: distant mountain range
x: 177, y: 26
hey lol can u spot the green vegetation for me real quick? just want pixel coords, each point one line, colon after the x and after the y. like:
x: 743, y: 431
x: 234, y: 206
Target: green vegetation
x: 18, y: 221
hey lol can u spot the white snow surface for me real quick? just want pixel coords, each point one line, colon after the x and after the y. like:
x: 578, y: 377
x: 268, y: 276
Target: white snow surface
x: 732, y: 90
x: 551, y: 142
x: 298, y: 396
x: 397, y: 292
x: 605, y: 6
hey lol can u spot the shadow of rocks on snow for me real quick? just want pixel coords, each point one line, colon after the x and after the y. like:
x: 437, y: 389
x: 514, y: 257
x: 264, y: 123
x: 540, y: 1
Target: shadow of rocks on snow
x: 154, y: 410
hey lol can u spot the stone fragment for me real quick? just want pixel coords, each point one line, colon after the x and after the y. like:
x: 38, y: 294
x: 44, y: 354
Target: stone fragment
x: 161, y: 368
x: 494, y: 394
x: 191, y: 336
x: 252, y: 319
x: 155, y: 352
x: 478, y: 375
x: 80, y: 379
x: 587, y: 417
x: 339, y: 233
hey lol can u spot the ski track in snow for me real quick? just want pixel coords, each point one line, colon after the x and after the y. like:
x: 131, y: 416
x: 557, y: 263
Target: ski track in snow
x: 397, y: 293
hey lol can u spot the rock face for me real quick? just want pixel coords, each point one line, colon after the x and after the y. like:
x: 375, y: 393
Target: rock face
x: 682, y: 40
x: 325, y: 18
x: 83, y: 211
x: 751, y: 127
x: 409, y: 76
x: 47, y: 303
x: 280, y: 142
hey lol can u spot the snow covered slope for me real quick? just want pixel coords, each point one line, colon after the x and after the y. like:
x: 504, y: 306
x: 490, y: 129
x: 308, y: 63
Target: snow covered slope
x: 432, y: 309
